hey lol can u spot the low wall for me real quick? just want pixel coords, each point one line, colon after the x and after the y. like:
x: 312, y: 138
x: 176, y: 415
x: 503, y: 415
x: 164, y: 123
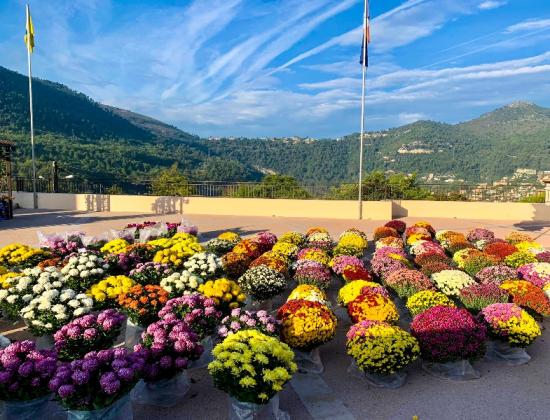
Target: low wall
x: 329, y: 209
x: 471, y: 210
x: 375, y: 210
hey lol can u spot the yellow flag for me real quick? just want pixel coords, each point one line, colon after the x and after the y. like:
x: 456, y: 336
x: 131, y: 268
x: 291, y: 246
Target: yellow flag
x: 29, y: 32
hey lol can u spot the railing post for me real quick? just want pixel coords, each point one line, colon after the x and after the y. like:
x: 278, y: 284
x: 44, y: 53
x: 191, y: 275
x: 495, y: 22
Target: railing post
x: 546, y: 181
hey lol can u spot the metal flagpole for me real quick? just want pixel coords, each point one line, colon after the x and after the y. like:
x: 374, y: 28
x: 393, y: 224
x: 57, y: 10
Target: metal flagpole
x: 34, y: 194
x: 364, y: 68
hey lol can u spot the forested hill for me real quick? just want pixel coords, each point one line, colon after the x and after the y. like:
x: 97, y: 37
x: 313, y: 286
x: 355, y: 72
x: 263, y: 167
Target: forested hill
x: 97, y: 142
x: 103, y: 143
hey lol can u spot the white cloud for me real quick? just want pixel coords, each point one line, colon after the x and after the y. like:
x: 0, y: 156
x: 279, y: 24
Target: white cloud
x: 492, y: 4
x: 529, y: 25
x: 410, y: 117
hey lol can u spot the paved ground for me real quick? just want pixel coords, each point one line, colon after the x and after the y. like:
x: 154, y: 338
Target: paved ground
x: 24, y: 226
x: 502, y: 392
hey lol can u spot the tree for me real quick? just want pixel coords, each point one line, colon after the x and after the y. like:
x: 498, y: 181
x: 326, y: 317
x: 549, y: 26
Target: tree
x: 170, y: 182
x: 272, y: 186
x: 378, y: 186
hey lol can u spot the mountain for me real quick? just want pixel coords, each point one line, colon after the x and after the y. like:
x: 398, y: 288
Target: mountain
x: 112, y: 145
x: 97, y: 142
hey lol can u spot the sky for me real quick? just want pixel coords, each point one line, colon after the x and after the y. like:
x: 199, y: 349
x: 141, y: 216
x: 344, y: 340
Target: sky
x: 288, y: 67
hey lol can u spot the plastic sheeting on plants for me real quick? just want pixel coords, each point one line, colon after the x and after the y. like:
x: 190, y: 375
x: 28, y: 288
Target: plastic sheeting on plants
x: 206, y: 357
x: 128, y: 234
x: 309, y: 361
x: 392, y: 381
x: 25, y: 410
x: 90, y: 241
x: 461, y: 370
x: 163, y: 393
x: 502, y: 351
x: 132, y: 335
x: 119, y: 410
x: 45, y: 238
x: 249, y: 411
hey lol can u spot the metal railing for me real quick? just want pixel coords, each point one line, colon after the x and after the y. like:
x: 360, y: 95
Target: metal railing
x: 441, y: 192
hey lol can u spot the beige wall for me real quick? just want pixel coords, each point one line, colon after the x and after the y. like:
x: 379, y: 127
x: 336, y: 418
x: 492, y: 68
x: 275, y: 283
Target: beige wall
x: 375, y: 210
x: 471, y: 210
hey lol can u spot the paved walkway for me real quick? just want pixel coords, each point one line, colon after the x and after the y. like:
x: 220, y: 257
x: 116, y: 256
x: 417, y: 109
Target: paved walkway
x: 502, y: 392
x: 27, y: 223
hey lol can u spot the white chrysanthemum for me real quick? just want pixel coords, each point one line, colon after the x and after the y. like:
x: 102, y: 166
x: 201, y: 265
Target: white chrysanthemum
x: 37, y: 288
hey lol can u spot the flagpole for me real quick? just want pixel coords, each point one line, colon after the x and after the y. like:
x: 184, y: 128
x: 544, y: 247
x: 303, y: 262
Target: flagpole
x: 362, y: 139
x: 34, y: 194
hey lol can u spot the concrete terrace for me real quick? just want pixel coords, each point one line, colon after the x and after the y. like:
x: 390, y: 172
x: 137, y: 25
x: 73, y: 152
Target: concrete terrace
x: 502, y: 392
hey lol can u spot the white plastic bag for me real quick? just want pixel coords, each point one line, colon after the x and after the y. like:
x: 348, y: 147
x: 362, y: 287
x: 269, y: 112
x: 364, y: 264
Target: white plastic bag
x: 94, y: 241
x: 119, y: 410
x: 249, y: 411
x: 392, y: 381
x: 187, y: 227
x: 128, y: 234
x: 206, y: 356
x: 309, y: 361
x: 461, y: 370
x: 132, y: 335
x: 146, y: 234
x: 501, y: 351
x: 164, y: 393
x: 45, y: 238
x: 26, y: 410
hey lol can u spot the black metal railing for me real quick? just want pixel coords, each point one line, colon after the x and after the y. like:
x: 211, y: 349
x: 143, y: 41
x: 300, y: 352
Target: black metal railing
x: 442, y: 192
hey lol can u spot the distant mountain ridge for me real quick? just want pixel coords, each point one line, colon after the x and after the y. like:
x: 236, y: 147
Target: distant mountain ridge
x: 108, y: 144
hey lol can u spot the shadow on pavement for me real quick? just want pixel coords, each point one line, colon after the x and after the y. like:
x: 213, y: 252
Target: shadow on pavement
x: 36, y: 218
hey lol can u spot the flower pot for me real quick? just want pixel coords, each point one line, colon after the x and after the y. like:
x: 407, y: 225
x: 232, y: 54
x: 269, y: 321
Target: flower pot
x: 119, y: 410
x: 460, y: 370
x: 249, y: 411
x: 132, y: 335
x: 378, y: 380
x: 4, y: 341
x: 502, y: 351
x: 45, y: 342
x: 164, y: 393
x: 26, y: 410
x: 309, y: 361
x: 206, y: 356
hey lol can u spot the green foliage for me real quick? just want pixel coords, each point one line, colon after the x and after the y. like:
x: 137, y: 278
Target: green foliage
x: 535, y: 198
x: 114, y: 190
x: 170, y: 182
x: 272, y: 186
x: 379, y: 186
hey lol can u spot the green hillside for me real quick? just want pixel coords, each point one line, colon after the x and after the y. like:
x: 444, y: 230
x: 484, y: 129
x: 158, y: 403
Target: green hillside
x: 108, y: 145
x: 97, y: 142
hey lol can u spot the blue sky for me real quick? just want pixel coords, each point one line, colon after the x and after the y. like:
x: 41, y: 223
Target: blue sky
x: 288, y: 67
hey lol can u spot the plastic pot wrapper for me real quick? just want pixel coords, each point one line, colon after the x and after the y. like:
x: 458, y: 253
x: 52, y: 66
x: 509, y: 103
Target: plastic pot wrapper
x: 249, y: 411
x: 119, y: 410
x: 392, y: 381
x: 461, y: 370
x: 164, y: 393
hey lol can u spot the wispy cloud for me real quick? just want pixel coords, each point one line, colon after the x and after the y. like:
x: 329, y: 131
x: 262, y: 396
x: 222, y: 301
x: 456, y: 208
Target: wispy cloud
x: 529, y: 25
x: 492, y: 4
x: 257, y: 67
